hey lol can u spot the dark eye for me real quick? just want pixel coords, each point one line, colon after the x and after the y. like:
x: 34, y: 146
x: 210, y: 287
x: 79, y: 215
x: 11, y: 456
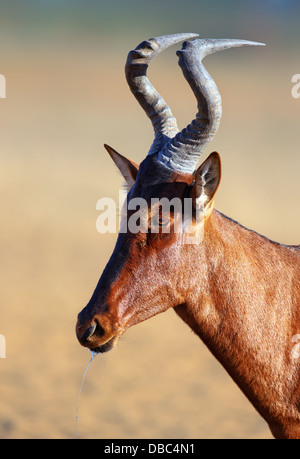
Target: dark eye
x: 158, y: 221
x: 162, y: 221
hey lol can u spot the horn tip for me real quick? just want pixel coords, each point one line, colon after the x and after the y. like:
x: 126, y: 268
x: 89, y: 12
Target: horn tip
x: 254, y: 43
x: 167, y: 40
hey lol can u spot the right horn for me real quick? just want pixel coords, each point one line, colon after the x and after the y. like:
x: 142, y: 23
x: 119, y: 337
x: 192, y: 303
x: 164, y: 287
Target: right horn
x: 184, y: 150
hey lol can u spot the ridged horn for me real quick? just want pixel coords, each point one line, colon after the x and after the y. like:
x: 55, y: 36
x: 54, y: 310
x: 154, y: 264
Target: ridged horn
x: 138, y: 60
x: 183, y: 151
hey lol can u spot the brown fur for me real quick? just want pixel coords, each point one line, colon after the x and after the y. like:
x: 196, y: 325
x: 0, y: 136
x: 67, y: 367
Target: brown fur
x: 237, y: 290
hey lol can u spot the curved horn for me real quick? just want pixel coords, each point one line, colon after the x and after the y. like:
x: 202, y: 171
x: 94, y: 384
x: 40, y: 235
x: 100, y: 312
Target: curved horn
x: 183, y: 151
x: 138, y: 60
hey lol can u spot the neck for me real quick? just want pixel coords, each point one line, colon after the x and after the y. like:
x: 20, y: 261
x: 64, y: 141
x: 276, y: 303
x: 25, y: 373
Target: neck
x: 245, y: 307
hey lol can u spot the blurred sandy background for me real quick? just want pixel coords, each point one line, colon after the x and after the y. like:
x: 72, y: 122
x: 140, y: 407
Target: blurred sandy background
x: 66, y: 96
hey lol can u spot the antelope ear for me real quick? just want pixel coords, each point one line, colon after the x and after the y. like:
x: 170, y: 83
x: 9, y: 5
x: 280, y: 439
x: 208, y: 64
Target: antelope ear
x: 128, y: 168
x: 207, y: 180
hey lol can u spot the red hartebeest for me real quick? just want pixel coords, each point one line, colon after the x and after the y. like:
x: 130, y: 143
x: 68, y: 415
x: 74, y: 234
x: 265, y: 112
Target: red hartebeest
x: 237, y: 290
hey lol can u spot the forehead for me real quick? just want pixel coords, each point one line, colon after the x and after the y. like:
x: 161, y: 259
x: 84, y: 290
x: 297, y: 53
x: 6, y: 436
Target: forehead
x: 155, y: 180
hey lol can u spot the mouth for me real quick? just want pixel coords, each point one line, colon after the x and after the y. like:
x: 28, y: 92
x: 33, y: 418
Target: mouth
x: 108, y: 346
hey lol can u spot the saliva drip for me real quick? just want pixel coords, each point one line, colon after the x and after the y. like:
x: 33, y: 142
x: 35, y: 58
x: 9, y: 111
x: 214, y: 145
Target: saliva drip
x: 94, y: 354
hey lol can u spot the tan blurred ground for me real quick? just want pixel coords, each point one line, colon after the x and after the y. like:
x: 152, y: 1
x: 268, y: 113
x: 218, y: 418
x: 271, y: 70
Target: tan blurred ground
x: 61, y: 106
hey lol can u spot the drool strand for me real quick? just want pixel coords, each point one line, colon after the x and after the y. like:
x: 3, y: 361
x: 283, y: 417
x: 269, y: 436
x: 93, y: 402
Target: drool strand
x: 94, y: 354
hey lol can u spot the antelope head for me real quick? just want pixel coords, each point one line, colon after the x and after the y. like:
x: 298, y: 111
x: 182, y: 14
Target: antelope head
x: 153, y: 270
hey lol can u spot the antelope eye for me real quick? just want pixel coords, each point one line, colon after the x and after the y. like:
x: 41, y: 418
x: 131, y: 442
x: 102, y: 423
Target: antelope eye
x: 159, y: 220
x: 163, y: 221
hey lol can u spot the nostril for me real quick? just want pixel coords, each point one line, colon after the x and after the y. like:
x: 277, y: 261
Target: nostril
x: 93, y: 330
x: 99, y: 331
x: 88, y: 332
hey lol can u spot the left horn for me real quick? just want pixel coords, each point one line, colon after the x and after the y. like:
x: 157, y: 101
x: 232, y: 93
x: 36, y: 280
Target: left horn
x: 183, y: 151
x: 164, y: 123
